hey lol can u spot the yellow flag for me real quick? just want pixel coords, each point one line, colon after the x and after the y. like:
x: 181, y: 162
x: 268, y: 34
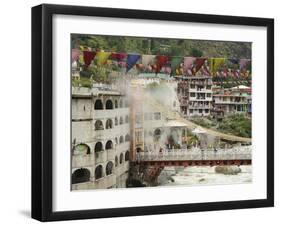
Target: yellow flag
x: 215, y: 63
x: 102, y: 57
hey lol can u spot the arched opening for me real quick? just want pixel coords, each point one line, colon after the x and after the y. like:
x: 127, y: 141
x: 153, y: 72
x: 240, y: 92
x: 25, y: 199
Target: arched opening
x: 127, y: 138
x: 157, y: 134
x: 121, y: 158
x: 98, y: 125
x: 108, y: 104
x: 121, y: 140
x: 116, y: 121
x: 109, y: 168
x: 127, y: 119
x: 82, y: 149
x: 116, y: 103
x: 98, y: 105
x: 109, y: 145
x: 98, y: 147
x: 80, y: 175
x: 116, y: 161
x: 108, y: 124
x: 98, y: 172
x: 127, y: 154
x: 121, y: 103
x: 121, y: 120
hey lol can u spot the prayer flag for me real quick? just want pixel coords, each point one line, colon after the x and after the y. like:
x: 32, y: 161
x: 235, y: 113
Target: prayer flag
x: 118, y: 56
x: 74, y: 55
x: 132, y: 60
x: 88, y: 56
x: 243, y: 63
x: 102, y: 57
x: 175, y: 62
x: 187, y: 64
x: 160, y: 62
x: 215, y: 64
x: 198, y: 64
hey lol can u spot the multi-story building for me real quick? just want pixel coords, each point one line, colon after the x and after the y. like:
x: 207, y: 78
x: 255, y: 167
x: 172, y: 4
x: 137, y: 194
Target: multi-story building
x: 195, y: 95
x: 100, y: 138
x: 231, y: 101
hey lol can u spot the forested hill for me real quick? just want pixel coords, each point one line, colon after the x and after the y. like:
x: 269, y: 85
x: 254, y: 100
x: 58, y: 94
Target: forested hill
x: 171, y: 47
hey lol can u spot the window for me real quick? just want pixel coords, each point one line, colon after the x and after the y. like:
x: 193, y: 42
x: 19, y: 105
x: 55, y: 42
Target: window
x: 116, y: 160
x: 109, y: 145
x: 98, y: 147
x: 121, y: 120
x: 157, y: 132
x: 98, y: 125
x: 80, y: 176
x: 108, y: 104
x: 116, y: 103
x: 109, y: 168
x: 206, y: 110
x: 121, y: 158
x: 191, y: 111
x: 127, y: 138
x: 192, y: 94
x: 200, y: 110
x: 208, y: 95
x: 98, y: 105
x: 192, y: 86
x: 82, y: 149
x: 108, y: 124
x: 121, y: 140
x: 116, y: 121
x: 98, y: 172
x: 127, y: 155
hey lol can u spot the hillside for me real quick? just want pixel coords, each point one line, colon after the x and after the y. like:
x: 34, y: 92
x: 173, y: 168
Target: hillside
x: 172, y: 47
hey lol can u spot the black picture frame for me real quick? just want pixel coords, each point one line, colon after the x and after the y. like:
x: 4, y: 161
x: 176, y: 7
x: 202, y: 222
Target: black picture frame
x: 42, y: 111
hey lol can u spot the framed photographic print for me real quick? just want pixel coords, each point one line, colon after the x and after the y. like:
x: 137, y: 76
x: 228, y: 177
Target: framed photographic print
x: 147, y: 112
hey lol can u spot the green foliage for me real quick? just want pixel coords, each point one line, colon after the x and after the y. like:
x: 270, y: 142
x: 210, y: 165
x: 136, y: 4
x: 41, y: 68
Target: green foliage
x: 237, y: 124
x: 171, y: 47
x: 196, y: 53
x: 83, y: 82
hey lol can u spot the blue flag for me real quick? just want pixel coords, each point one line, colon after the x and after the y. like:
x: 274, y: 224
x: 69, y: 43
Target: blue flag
x: 131, y: 61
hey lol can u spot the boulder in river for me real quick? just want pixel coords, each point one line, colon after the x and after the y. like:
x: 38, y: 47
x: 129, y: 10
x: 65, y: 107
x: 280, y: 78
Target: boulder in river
x: 228, y: 170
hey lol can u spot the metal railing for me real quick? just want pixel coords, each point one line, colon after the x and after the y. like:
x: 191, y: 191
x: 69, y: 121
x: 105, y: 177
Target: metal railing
x: 237, y: 153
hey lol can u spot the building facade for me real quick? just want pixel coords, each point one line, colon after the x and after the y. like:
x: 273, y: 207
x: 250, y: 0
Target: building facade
x: 233, y: 100
x: 100, y: 138
x: 195, y: 95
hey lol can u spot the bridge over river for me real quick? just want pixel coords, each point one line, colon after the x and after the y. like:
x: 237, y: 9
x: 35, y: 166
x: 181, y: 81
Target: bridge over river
x: 240, y: 155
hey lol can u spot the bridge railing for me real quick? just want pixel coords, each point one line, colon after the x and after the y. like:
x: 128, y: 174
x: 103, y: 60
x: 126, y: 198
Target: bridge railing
x: 197, y: 154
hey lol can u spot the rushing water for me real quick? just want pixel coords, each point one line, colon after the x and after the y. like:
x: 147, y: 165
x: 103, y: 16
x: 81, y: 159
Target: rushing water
x: 202, y: 175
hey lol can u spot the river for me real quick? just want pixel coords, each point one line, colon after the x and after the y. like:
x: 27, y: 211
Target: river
x: 202, y: 175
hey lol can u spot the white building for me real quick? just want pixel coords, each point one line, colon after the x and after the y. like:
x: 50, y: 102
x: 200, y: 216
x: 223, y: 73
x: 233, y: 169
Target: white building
x: 195, y: 95
x: 233, y: 100
x: 100, y: 138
